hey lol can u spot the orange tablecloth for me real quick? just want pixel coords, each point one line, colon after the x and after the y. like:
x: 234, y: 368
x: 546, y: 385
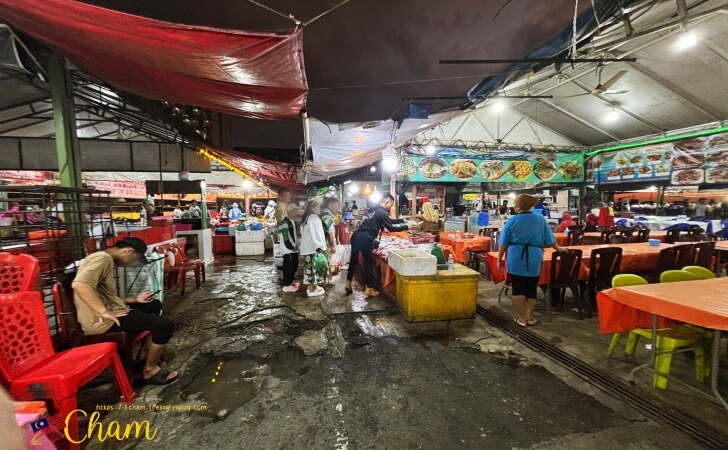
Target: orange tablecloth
x: 561, y: 238
x: 639, y: 257
x: 703, y: 303
x: 461, y: 245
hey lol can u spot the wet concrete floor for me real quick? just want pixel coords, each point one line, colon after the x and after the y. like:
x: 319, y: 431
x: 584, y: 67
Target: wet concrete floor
x: 375, y: 380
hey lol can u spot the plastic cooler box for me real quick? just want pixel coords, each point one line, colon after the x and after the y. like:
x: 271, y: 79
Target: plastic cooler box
x: 250, y: 236
x: 448, y: 295
x: 250, y: 248
x: 412, y: 262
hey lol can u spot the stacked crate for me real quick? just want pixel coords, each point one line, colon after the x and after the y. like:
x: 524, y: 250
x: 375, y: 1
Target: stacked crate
x: 249, y: 243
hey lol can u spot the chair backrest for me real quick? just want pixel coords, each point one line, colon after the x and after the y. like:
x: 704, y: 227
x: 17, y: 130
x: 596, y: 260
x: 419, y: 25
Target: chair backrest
x: 590, y: 240
x: 494, y: 237
x: 574, y: 237
x: 689, y: 238
x: 618, y: 239
x: 627, y: 232
x: 565, y: 267
x: 604, y: 264
x: 483, y: 231
x: 642, y: 235
x: 684, y: 255
x: 18, y: 273
x: 164, y: 250
x: 575, y: 227
x: 695, y: 229
x: 70, y: 330
x: 671, y: 276
x: 666, y: 259
x: 605, y: 236
x: 26, y: 340
x: 703, y: 253
x: 672, y: 236
x: 590, y: 228
x: 627, y: 279
x: 707, y: 237
x: 701, y: 272
x: 179, y: 251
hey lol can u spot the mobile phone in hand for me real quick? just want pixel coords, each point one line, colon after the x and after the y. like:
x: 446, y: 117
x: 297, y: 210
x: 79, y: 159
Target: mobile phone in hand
x: 152, y: 295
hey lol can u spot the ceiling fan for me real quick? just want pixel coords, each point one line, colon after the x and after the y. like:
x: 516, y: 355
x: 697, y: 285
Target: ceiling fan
x: 603, y: 88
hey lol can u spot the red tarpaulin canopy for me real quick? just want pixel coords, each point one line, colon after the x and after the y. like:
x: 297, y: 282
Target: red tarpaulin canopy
x: 278, y: 174
x: 256, y: 75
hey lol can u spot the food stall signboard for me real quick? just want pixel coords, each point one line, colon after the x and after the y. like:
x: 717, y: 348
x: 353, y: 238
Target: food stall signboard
x: 553, y: 168
x: 684, y: 162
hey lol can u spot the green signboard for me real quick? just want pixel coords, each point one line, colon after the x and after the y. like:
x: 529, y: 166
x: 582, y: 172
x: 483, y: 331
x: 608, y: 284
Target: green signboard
x: 556, y: 168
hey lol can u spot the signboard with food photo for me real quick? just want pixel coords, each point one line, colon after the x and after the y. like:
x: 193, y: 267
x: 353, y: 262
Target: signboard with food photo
x: 638, y: 164
x: 553, y: 168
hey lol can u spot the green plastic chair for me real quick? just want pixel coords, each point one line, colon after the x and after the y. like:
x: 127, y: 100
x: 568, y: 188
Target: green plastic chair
x: 670, y: 339
x: 623, y: 280
x: 700, y: 272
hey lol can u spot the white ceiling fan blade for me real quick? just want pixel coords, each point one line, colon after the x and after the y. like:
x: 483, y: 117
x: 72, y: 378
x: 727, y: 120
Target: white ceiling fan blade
x: 577, y: 95
x: 613, y: 80
x: 614, y: 92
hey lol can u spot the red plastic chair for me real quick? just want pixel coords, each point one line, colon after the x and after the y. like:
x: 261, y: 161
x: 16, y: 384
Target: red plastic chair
x: 198, y: 263
x: 31, y: 370
x: 177, y: 272
x: 18, y: 273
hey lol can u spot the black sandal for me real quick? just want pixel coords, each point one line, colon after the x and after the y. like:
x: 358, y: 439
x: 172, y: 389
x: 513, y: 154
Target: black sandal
x: 160, y: 378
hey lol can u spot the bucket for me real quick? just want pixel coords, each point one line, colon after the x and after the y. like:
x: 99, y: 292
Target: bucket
x: 483, y: 219
x: 654, y: 242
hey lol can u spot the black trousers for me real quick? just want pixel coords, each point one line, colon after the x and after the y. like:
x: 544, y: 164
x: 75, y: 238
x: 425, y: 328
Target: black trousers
x: 361, y: 244
x: 145, y: 317
x: 290, y: 266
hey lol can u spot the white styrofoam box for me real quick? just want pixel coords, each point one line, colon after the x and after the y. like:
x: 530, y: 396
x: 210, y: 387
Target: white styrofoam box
x: 411, y: 262
x: 250, y: 236
x: 249, y: 248
x: 231, y: 231
x: 454, y: 225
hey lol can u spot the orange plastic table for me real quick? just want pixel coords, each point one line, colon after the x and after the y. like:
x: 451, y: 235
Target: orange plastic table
x: 638, y: 257
x: 703, y: 303
x: 562, y: 238
x: 462, y: 245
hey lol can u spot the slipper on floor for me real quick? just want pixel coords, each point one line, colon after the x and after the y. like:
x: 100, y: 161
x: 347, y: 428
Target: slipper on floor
x: 139, y: 363
x: 520, y: 324
x: 160, y: 378
x: 533, y: 322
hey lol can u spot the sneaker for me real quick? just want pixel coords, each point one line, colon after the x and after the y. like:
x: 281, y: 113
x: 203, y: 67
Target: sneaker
x: 291, y: 288
x: 348, y: 288
x: 319, y: 291
x: 370, y: 292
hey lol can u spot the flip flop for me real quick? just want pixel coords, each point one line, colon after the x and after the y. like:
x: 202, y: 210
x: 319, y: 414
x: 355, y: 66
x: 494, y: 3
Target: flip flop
x: 160, y: 378
x: 532, y: 322
x: 520, y: 324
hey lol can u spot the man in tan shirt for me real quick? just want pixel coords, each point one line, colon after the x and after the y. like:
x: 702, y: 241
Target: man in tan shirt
x: 99, y: 309
x: 284, y: 198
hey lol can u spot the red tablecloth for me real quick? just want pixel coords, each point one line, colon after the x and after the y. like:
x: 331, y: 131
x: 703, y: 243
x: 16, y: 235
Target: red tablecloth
x: 703, y: 303
x: 639, y: 257
x: 462, y: 245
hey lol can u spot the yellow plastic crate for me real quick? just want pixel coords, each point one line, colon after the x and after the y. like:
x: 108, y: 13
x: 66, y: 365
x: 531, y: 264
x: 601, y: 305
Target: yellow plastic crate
x: 450, y: 294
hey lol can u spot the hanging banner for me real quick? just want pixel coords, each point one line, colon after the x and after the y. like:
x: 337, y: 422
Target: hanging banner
x: 556, y: 168
x: 686, y: 162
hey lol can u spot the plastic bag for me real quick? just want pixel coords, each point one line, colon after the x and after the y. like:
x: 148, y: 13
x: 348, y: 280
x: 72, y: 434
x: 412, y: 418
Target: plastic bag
x: 437, y: 253
x: 277, y: 257
x: 335, y: 264
x: 344, y: 253
x: 321, y: 263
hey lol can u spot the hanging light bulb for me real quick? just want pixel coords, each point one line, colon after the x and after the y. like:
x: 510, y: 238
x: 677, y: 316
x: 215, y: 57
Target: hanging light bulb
x: 375, y: 196
x: 389, y: 159
x: 612, y: 116
x: 498, y: 106
x: 354, y: 188
x: 367, y: 190
x: 430, y: 149
x: 373, y: 169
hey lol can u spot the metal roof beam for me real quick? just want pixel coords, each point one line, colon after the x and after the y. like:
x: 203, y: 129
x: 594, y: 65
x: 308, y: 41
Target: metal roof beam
x: 579, y: 119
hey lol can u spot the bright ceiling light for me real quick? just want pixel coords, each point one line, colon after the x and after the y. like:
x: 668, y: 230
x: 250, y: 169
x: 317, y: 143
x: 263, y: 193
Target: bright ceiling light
x: 354, y: 188
x: 612, y: 116
x: 376, y: 197
x: 389, y: 159
x: 687, y: 40
x: 498, y: 106
x: 512, y: 195
x: 373, y: 169
x: 430, y: 149
x: 247, y: 184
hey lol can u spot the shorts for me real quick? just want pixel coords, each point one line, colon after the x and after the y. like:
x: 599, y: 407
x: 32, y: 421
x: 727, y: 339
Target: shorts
x: 527, y: 286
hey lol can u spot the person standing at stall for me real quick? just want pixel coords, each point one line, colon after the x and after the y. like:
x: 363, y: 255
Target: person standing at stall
x: 313, y: 242
x: 362, y: 241
x: 328, y: 208
x: 524, y: 236
x: 288, y: 247
x: 195, y: 211
x: 284, y: 198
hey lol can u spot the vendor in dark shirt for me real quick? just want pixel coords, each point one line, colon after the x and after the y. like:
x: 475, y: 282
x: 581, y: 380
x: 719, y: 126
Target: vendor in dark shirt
x: 362, y: 242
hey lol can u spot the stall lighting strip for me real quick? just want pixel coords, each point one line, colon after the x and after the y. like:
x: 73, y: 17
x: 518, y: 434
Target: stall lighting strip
x: 211, y: 156
x: 661, y: 140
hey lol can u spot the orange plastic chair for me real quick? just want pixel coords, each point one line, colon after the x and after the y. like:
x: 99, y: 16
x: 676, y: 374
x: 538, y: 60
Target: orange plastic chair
x: 31, y: 369
x: 18, y: 273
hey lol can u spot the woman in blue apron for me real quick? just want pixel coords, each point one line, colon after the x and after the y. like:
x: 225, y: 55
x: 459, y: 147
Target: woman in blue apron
x: 525, y: 235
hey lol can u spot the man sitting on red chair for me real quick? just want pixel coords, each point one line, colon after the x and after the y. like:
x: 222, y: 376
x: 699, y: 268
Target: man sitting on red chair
x: 101, y: 310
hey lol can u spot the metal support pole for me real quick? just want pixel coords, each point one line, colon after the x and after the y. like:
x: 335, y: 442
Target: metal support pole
x: 68, y: 151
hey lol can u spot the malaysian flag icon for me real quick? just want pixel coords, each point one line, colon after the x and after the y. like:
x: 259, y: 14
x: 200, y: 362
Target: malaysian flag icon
x: 39, y: 425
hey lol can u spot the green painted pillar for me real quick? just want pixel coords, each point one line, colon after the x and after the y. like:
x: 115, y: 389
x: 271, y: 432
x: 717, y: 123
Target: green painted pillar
x: 68, y: 149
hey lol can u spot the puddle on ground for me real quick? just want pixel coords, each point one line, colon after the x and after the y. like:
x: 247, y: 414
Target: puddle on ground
x: 225, y: 385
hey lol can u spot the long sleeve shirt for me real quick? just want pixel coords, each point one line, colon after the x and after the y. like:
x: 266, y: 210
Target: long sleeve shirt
x: 377, y: 221
x: 287, y: 236
x: 312, y: 236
